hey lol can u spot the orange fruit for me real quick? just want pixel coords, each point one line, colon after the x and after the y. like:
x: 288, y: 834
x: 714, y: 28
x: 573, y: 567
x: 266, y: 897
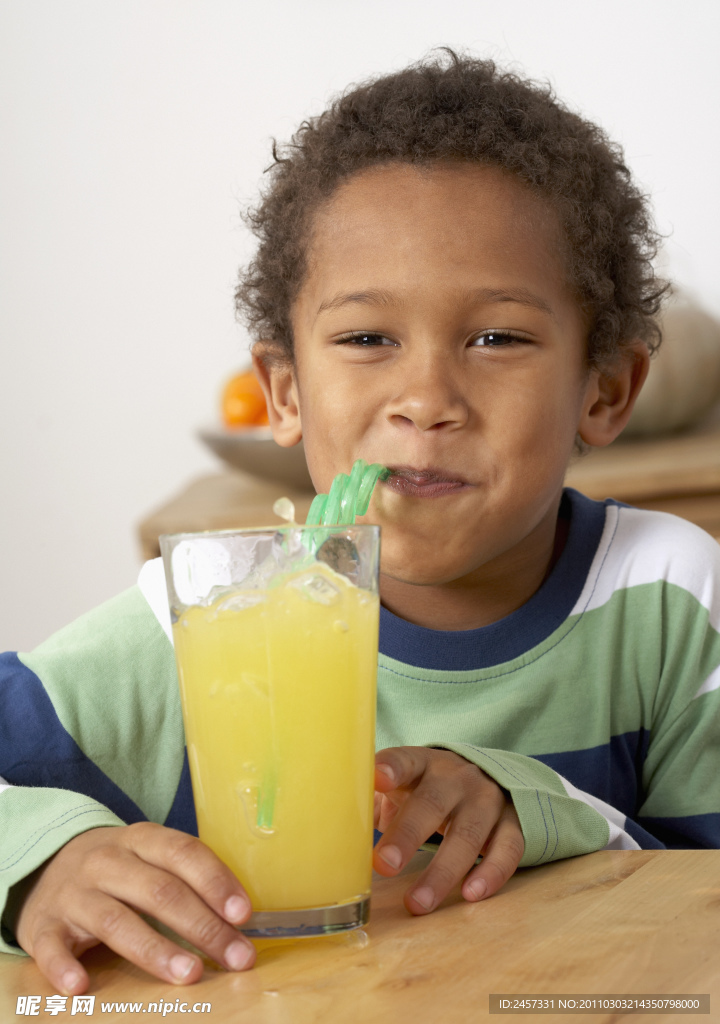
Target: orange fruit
x: 243, y: 401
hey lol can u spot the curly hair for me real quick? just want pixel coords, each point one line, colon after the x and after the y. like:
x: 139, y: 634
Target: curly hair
x: 454, y: 107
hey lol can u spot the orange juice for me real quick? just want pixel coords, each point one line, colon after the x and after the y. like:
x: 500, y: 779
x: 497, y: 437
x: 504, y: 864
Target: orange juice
x: 278, y: 691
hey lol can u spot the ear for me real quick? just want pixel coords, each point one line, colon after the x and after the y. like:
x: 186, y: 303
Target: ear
x: 611, y: 395
x: 277, y: 379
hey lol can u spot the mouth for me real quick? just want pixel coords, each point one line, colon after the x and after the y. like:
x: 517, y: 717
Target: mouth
x: 424, y: 483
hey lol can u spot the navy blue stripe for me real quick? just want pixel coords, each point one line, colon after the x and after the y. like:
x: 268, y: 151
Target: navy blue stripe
x: 182, y: 813
x: 611, y: 771
x: 547, y: 609
x: 694, y: 832
x: 36, y: 750
x: 645, y: 840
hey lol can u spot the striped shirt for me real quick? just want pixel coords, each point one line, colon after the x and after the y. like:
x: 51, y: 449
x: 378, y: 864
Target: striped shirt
x: 596, y: 705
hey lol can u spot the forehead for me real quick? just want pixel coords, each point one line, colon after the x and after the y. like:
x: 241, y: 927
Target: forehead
x: 400, y: 227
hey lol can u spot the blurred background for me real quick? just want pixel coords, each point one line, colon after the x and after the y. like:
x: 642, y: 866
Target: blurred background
x: 134, y: 133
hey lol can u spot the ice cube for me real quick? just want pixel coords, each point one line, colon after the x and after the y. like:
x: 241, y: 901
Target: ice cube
x: 340, y: 554
x: 285, y: 509
x: 316, y: 587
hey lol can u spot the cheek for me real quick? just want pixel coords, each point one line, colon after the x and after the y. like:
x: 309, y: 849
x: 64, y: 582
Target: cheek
x: 547, y: 409
x: 535, y: 437
x: 327, y: 427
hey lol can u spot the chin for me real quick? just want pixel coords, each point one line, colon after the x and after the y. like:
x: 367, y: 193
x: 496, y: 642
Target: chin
x: 418, y: 575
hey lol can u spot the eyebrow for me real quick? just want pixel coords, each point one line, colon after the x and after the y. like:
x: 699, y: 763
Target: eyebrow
x: 372, y: 297
x: 520, y: 296
x: 378, y: 297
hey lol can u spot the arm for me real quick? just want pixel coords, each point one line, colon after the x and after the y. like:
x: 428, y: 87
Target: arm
x: 92, y: 737
x: 509, y: 809
x: 78, y: 724
x: 558, y: 820
x: 678, y: 806
x: 467, y: 803
x: 36, y: 823
x: 681, y: 774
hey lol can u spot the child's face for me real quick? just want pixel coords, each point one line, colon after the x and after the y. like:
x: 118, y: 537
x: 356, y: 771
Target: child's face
x: 436, y: 333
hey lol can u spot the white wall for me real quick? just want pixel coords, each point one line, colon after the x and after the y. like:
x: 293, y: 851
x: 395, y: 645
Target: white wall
x: 133, y: 131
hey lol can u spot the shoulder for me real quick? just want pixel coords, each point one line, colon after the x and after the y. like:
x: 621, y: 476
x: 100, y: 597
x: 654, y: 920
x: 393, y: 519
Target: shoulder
x: 639, y: 547
x: 105, y: 659
x: 114, y: 629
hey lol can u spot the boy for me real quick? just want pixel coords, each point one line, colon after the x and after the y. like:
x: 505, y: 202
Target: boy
x: 453, y: 279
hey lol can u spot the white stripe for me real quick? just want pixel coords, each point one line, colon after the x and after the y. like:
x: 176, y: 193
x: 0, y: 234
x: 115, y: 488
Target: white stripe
x: 154, y: 589
x: 611, y: 518
x: 619, y: 838
x: 711, y: 683
x: 4, y: 785
x: 638, y: 546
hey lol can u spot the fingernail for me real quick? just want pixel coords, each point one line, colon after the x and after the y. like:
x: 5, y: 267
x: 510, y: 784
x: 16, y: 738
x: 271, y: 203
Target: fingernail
x: 237, y: 955
x: 181, y: 965
x: 236, y: 908
x: 392, y: 856
x: 477, y: 889
x: 425, y: 897
x: 69, y: 981
x: 385, y: 769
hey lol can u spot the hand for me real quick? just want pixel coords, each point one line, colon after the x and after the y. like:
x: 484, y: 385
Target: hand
x: 94, y: 889
x: 419, y: 791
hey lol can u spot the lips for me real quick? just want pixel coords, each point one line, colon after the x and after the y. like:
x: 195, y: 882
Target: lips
x: 424, y: 483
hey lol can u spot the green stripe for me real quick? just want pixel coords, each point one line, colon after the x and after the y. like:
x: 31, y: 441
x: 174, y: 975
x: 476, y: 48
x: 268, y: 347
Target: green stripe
x: 682, y: 777
x: 636, y: 660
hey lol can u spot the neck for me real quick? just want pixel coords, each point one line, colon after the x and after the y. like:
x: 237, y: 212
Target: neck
x: 487, y: 594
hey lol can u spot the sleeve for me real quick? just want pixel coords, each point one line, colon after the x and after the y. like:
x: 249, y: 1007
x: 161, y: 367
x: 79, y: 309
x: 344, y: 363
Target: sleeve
x: 681, y: 770
x: 557, y: 819
x: 90, y: 735
x: 680, y: 806
x: 675, y: 669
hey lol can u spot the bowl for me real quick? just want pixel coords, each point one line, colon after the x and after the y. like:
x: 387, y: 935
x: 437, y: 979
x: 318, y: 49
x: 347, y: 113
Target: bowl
x: 253, y: 450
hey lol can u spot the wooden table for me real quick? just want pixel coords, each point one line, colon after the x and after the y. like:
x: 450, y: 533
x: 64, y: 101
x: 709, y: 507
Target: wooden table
x: 678, y: 474
x: 613, y: 923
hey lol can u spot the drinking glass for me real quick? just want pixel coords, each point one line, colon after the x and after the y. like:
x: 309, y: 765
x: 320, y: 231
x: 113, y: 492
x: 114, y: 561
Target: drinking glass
x: 276, y: 642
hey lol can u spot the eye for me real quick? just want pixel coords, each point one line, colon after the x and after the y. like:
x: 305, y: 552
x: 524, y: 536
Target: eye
x: 496, y: 339
x: 365, y: 339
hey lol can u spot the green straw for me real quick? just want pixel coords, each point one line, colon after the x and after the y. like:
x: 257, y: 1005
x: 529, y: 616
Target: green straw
x: 349, y: 496
x: 266, y: 800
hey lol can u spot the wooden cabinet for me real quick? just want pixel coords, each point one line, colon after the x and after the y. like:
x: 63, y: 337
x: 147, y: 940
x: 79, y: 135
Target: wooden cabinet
x: 678, y: 474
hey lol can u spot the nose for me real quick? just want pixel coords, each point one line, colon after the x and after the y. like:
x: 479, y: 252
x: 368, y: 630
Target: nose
x: 428, y: 396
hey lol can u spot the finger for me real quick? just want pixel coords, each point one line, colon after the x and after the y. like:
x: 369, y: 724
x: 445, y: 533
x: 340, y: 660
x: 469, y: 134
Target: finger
x: 169, y: 899
x: 387, y: 813
x: 377, y: 806
x: 185, y: 856
x: 424, y: 812
x: 502, y: 856
x: 467, y: 833
x: 126, y: 933
x: 51, y: 953
x: 399, y: 766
